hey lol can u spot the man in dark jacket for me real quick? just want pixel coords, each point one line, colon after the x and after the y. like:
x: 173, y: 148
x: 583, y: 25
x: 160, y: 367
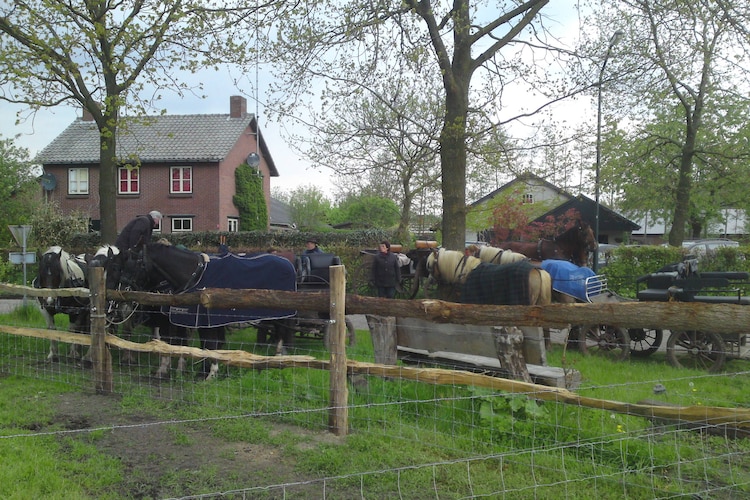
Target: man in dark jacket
x: 311, y: 246
x: 137, y: 232
x: 386, y: 271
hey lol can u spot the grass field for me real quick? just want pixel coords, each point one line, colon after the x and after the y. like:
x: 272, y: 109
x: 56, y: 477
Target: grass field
x: 262, y: 434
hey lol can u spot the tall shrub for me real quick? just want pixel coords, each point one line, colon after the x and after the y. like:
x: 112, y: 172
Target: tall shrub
x: 249, y: 199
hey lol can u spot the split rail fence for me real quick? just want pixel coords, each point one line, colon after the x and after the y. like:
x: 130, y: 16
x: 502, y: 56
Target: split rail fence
x: 720, y: 318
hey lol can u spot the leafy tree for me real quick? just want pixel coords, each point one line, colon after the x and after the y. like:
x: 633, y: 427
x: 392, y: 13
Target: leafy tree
x: 102, y: 55
x: 52, y: 227
x: 19, y: 189
x: 682, y: 62
x: 249, y: 199
x: 365, y: 212
x: 464, y: 39
x: 310, y: 209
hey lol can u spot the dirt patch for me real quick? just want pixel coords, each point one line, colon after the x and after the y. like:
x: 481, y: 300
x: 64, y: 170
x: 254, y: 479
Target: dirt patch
x: 154, y: 453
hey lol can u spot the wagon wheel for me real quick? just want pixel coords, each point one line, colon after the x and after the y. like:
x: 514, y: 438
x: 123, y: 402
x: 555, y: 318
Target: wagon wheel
x: 644, y: 341
x: 605, y: 340
x: 698, y: 350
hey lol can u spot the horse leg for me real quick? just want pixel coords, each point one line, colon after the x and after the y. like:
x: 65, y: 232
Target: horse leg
x: 54, y: 347
x: 211, y: 339
x: 177, y: 335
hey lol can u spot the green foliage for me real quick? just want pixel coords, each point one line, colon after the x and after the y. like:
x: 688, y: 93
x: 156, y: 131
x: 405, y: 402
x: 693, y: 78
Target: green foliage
x: 310, y: 209
x: 18, y: 186
x: 249, y: 199
x: 52, y: 227
x: 364, y: 212
x: 629, y: 263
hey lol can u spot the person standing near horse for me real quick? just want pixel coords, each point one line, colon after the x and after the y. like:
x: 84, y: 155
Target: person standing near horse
x: 137, y: 232
x: 386, y: 271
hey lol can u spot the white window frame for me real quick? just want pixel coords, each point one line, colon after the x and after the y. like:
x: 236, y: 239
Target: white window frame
x: 181, y: 170
x: 182, y: 224
x: 528, y: 199
x: 233, y: 224
x: 129, y: 180
x: 78, y: 181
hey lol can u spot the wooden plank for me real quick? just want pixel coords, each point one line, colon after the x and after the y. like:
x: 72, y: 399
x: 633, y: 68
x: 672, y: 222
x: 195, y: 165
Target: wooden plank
x: 550, y: 376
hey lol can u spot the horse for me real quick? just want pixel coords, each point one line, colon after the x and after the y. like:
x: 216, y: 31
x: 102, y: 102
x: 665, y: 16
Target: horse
x: 59, y: 269
x: 526, y: 285
x: 169, y: 269
x: 574, y: 245
x: 128, y: 315
x: 494, y: 255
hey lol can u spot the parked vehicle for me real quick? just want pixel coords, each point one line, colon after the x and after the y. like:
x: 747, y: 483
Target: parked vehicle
x: 703, y: 248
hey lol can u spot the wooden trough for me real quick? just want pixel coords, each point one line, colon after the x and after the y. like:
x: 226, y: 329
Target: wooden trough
x: 506, y: 352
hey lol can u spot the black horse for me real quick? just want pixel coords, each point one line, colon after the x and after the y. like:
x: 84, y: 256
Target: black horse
x: 169, y: 269
x: 59, y: 269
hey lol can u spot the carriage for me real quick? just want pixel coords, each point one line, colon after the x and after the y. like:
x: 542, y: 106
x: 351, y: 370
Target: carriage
x: 691, y: 348
x: 312, y: 272
x: 571, y: 284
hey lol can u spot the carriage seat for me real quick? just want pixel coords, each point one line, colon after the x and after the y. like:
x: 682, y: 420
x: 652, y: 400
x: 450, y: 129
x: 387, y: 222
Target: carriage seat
x: 312, y: 270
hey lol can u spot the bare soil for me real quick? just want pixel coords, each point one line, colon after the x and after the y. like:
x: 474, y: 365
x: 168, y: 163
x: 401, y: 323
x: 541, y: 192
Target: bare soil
x: 152, y: 455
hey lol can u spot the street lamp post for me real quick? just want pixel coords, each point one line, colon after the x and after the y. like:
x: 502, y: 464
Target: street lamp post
x: 616, y: 37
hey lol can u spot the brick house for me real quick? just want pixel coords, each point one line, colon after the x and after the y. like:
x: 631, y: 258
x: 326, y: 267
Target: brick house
x: 186, y: 169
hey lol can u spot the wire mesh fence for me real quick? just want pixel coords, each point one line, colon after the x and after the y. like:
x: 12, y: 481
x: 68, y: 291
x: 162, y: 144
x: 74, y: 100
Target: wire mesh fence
x: 264, y: 433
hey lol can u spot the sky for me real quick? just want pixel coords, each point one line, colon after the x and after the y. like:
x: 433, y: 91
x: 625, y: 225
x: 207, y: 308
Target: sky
x: 36, y: 132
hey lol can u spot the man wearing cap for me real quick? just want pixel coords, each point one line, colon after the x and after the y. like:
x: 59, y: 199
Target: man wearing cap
x: 137, y: 232
x: 312, y: 247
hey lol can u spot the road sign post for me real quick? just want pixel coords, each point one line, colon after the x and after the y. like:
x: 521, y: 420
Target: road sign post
x: 21, y: 234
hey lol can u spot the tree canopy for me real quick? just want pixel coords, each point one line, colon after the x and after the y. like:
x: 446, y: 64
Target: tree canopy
x: 115, y: 59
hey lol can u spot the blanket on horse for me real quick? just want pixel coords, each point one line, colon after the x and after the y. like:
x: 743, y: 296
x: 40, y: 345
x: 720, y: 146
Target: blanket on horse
x: 568, y: 278
x: 262, y: 272
x: 498, y: 284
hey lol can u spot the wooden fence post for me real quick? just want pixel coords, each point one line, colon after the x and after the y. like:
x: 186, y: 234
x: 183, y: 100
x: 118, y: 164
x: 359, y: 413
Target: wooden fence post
x: 338, y: 416
x: 384, y: 338
x: 101, y: 358
x: 509, y: 345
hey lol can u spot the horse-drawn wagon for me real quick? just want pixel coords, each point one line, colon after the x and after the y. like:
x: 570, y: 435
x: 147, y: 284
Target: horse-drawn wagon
x: 691, y: 348
x: 313, y: 275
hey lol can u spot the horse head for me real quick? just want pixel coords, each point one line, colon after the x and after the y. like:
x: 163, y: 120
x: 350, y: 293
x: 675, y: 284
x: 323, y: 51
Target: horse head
x: 112, y: 260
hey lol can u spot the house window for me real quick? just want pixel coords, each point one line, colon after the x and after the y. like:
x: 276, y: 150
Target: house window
x: 182, y: 224
x: 233, y: 224
x: 528, y: 198
x: 78, y: 181
x: 128, y: 182
x: 181, y: 180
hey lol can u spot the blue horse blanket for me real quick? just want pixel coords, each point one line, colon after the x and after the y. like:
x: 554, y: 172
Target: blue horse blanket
x: 261, y: 272
x: 568, y: 278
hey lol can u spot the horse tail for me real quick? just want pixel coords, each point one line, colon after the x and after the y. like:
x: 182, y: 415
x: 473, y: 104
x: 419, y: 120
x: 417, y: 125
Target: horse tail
x: 544, y: 294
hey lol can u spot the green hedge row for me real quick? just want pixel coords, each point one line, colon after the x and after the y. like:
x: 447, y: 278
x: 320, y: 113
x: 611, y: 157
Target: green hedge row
x: 627, y: 264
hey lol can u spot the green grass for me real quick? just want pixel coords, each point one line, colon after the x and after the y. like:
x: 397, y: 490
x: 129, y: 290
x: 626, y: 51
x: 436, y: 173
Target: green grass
x: 480, y: 441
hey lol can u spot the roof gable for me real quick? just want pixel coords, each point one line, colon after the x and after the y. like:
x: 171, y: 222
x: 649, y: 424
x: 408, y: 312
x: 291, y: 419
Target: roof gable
x: 155, y: 139
x: 525, y: 179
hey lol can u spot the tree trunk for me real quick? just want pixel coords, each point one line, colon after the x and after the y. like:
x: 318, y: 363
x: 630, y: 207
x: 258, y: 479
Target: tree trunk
x: 108, y: 174
x: 509, y: 345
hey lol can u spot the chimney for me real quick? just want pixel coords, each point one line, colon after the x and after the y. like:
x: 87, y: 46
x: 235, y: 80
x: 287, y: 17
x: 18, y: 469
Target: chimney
x: 87, y: 116
x: 237, y: 106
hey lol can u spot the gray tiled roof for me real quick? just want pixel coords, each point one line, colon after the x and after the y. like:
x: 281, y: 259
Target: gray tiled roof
x: 154, y: 139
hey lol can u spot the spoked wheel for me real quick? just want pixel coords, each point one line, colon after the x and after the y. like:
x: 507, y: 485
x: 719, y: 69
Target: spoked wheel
x: 698, y: 350
x: 605, y: 340
x: 644, y: 341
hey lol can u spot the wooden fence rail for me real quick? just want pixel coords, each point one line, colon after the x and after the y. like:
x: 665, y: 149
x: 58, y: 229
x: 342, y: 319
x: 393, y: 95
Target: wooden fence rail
x: 719, y: 318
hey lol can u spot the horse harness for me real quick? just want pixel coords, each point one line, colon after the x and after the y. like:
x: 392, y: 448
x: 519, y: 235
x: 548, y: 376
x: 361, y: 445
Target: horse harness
x: 192, y: 281
x: 459, y: 272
